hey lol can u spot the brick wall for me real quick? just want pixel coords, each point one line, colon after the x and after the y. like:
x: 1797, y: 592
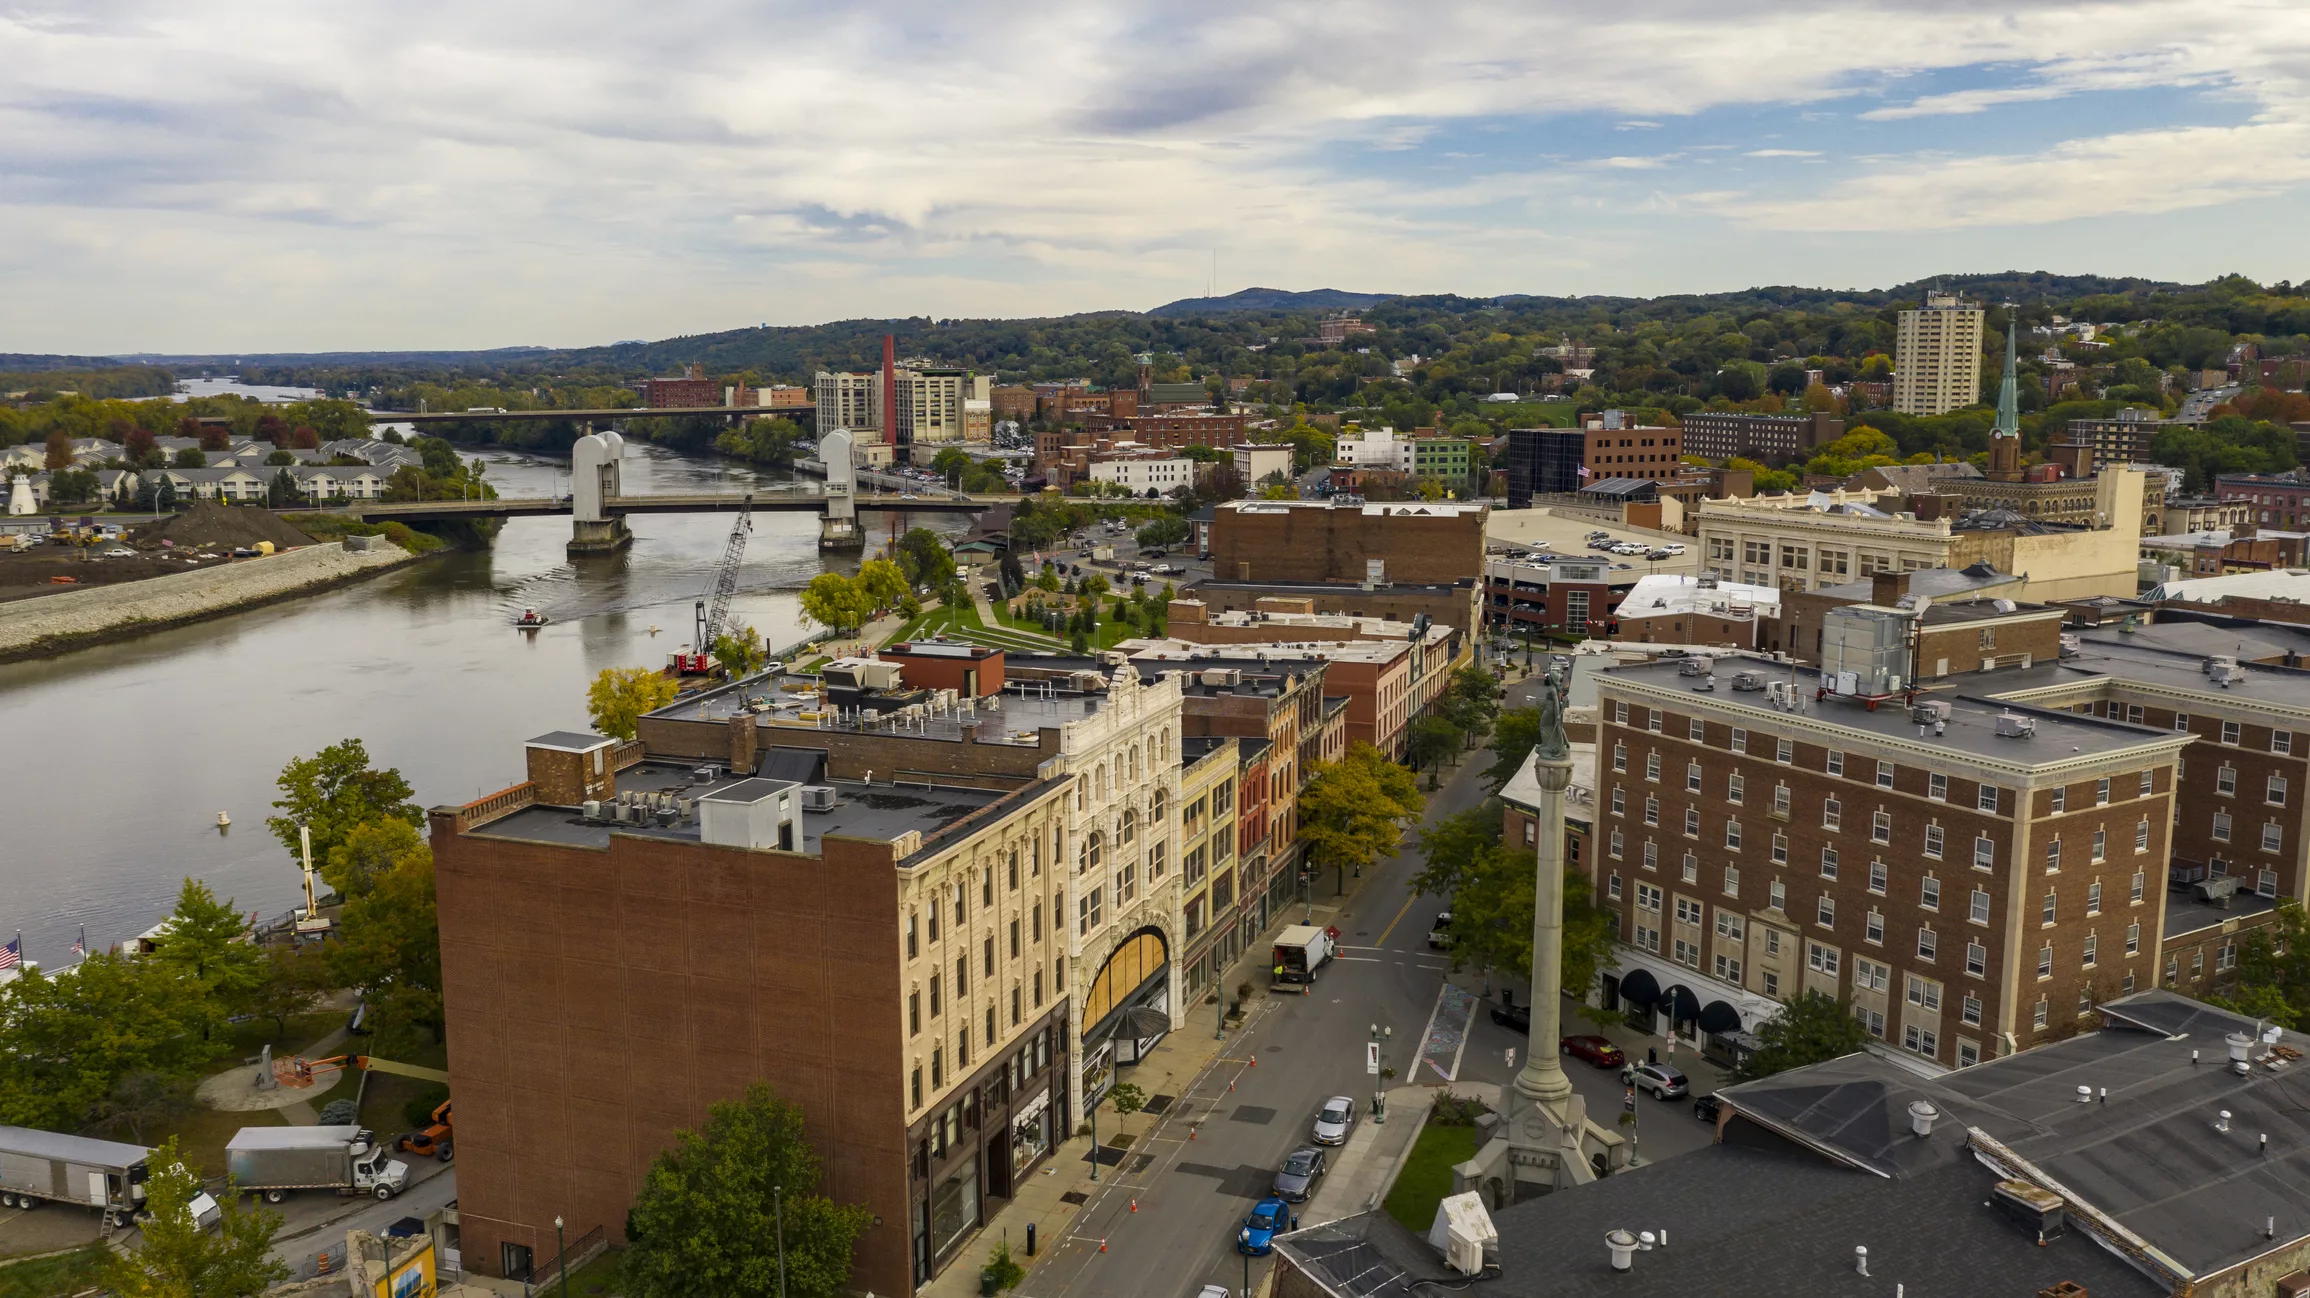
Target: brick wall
x: 851, y: 755
x: 1304, y: 544
x: 1456, y: 606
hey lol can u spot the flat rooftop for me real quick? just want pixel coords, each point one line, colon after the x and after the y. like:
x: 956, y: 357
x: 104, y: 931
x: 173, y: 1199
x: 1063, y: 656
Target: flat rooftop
x: 1026, y: 705
x: 879, y: 812
x: 2171, y: 656
x: 1972, y: 725
x: 2185, y: 914
x: 1276, y: 657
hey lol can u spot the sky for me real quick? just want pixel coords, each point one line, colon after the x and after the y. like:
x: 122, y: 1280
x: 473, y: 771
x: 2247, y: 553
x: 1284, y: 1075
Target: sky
x: 258, y: 175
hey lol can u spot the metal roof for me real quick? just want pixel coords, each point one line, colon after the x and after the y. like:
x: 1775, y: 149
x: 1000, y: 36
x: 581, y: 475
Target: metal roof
x: 71, y: 1149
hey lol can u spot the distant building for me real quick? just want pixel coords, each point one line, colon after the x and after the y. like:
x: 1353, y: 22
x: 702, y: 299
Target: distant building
x: 1774, y: 439
x: 693, y: 389
x: 2087, y: 444
x: 1615, y: 448
x: 2277, y: 501
x: 1937, y: 356
x: 1277, y: 540
x: 1676, y: 609
x: 1258, y: 462
x: 1142, y: 469
x: 1543, y: 462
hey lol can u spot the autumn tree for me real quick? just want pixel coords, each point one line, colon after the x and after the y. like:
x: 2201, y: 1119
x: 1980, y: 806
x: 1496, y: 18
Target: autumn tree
x: 334, y: 791
x: 619, y: 697
x: 59, y: 446
x: 1354, y: 809
x: 836, y: 602
x: 882, y: 583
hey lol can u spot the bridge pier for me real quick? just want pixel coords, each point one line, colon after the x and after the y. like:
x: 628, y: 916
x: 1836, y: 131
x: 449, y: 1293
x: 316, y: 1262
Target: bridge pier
x: 841, y: 534
x: 839, y: 530
x: 603, y: 536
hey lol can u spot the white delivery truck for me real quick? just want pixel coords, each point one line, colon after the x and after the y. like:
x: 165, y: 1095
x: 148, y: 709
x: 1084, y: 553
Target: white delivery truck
x: 276, y: 1160
x: 39, y: 1167
x: 1301, y: 950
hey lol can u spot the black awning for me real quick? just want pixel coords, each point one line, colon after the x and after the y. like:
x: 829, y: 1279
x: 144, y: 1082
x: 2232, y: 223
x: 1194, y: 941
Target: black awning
x: 1680, y: 1004
x: 1638, y: 987
x: 1716, y: 1016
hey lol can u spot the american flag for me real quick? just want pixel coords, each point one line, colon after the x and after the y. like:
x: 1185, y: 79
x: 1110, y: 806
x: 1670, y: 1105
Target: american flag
x: 80, y: 944
x: 1583, y: 470
x: 12, y: 954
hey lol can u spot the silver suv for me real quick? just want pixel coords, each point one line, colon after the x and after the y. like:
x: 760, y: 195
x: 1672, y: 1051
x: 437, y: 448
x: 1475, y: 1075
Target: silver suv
x: 1663, y: 1080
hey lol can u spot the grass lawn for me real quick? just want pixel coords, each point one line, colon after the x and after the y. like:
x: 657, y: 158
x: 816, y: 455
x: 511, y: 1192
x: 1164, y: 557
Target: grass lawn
x: 384, y: 1106
x: 1426, y: 1176
x: 66, y: 1273
x: 598, y: 1277
x: 304, y: 1029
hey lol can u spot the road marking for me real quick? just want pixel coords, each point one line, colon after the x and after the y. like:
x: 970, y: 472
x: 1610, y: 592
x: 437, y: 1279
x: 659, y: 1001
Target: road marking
x: 1397, y: 920
x: 1361, y: 959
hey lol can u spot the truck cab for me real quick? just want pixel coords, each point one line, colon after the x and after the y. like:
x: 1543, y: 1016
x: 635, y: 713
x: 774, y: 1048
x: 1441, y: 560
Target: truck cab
x: 379, y: 1173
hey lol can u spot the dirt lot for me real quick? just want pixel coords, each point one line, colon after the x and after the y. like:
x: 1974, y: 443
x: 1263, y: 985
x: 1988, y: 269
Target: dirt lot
x: 204, y: 530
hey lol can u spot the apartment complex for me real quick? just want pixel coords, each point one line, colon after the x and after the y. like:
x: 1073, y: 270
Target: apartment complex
x: 692, y: 389
x: 1774, y: 439
x: 929, y: 407
x: 1937, y: 356
x: 2278, y: 500
x: 1972, y: 891
x: 1315, y: 541
x: 2087, y: 444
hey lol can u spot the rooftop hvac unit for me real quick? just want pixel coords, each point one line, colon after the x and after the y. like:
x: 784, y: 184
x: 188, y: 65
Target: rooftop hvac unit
x: 2033, y: 1207
x: 2012, y: 726
x: 1695, y: 666
x: 1748, y: 682
x: 1223, y: 676
x: 1930, y: 712
x: 2071, y: 646
x: 2213, y: 666
x: 592, y: 809
x: 817, y: 797
x: 2229, y: 675
x: 2003, y: 605
x: 706, y: 774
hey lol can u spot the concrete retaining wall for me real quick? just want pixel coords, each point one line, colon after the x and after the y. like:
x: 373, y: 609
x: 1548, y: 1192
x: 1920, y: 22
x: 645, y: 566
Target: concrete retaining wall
x: 45, y: 624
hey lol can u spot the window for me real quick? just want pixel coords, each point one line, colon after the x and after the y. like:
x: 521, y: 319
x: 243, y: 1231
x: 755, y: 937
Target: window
x: 962, y: 976
x: 915, y: 1088
x: 1927, y: 943
x: 1780, y: 848
x: 913, y: 1013
x: 1612, y: 886
x: 2100, y: 845
x: 1772, y: 941
x: 1692, y: 822
x: 1730, y: 925
x: 1929, y: 893
x: 2182, y: 723
x: 1984, y: 853
x: 2229, y: 732
x: 2226, y: 780
x: 1651, y: 809
x: 1732, y: 835
x: 1685, y: 953
x: 2281, y: 741
x: 934, y: 998
x: 934, y: 919
x: 1980, y: 907
x: 2134, y: 890
x: 2273, y: 836
x: 1778, y: 896
x: 2221, y: 828
x: 1832, y: 814
x: 1916, y: 1039
x: 1652, y: 767
x: 1873, y: 927
x: 1692, y: 777
x: 1687, y: 911
x: 1828, y: 863
x: 1088, y: 914
x: 1647, y: 897
x: 2045, y: 911
x: 2149, y: 783
x: 1620, y: 712
x: 911, y: 949
x: 1976, y: 959
x: 1937, y: 787
x: 1728, y: 969
x: 1613, y: 844
x: 1696, y: 730
x: 1647, y: 939
x: 1874, y: 1020
x: 1822, y: 959
x: 1825, y: 912
x: 1772, y: 984
x: 1736, y: 788
x: 1868, y: 975
x: 2133, y: 939
x: 1732, y: 881
x: 2274, y: 791
x: 2142, y: 834
x: 1881, y: 827
x: 2053, y: 855
x: 1619, y: 802
x: 2092, y: 943
x: 2037, y: 1015
x: 2101, y: 792
x: 1924, y: 993
x: 1651, y: 856
x: 1835, y: 763
x: 1933, y: 841
x: 2045, y: 961
x: 1781, y: 801
x: 1985, y: 799
x: 1652, y: 719
x: 1783, y: 750
x: 1884, y: 775
x: 2058, y: 800
x: 1740, y: 740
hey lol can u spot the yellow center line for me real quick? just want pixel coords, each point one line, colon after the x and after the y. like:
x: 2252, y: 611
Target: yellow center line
x: 1397, y: 920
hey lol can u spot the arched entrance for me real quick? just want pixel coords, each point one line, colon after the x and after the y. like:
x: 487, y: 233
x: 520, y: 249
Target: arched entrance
x: 1136, y: 976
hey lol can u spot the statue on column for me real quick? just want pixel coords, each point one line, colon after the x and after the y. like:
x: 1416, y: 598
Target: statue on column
x: 1553, y: 746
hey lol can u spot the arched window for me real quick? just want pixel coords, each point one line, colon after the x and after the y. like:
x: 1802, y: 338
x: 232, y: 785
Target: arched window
x: 1156, y: 815
x: 1095, y: 850
x: 1101, y: 791
x: 1130, y: 826
x: 1134, y: 762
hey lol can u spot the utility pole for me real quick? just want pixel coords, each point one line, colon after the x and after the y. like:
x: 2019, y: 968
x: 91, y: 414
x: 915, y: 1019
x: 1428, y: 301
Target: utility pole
x: 778, y: 1205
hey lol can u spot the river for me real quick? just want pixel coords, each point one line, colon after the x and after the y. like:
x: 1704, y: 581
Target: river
x: 125, y: 752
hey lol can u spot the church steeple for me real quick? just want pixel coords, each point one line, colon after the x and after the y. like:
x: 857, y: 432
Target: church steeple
x: 2009, y: 393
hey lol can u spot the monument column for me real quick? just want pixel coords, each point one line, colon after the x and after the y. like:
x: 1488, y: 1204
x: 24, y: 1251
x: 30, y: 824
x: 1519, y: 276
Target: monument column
x: 1542, y: 1079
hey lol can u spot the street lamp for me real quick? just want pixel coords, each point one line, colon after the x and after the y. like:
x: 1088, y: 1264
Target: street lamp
x: 561, y: 1256
x: 778, y: 1205
x: 1095, y: 1138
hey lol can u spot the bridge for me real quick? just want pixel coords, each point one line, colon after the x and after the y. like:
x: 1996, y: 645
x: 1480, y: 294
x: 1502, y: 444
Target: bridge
x: 804, y: 414
x: 413, y: 511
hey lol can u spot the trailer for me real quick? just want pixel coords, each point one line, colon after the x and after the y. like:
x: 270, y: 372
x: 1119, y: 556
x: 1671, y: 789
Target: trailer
x: 39, y: 1167
x: 275, y: 1160
x: 1301, y: 950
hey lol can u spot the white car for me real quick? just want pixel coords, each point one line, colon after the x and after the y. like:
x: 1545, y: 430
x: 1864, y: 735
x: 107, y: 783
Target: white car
x: 1336, y: 1119
x: 1672, y: 547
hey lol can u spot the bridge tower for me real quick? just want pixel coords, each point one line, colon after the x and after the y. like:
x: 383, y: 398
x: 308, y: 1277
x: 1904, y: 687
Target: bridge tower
x: 839, y: 530
x: 594, y: 482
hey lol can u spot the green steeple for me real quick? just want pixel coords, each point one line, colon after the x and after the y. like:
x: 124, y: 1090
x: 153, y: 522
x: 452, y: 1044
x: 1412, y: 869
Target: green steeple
x: 2008, y: 394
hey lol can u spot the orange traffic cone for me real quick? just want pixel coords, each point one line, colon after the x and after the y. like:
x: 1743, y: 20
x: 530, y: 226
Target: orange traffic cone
x: 1134, y: 1205
x: 1191, y: 1132
x: 1102, y: 1244
x: 1255, y: 1061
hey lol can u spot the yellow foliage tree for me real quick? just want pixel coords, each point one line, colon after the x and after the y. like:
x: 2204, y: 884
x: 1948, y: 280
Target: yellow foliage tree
x: 620, y: 695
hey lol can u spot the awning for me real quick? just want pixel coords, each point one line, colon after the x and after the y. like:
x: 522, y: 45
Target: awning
x: 1716, y: 1016
x: 1680, y: 1004
x: 1638, y: 987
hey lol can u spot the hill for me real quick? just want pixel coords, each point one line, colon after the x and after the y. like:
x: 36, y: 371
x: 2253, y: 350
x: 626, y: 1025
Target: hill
x: 1272, y: 300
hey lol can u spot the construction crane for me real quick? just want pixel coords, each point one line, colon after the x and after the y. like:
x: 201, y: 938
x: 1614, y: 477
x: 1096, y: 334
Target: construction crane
x: 714, y: 612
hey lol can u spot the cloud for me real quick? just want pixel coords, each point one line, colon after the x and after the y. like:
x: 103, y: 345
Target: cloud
x: 222, y: 174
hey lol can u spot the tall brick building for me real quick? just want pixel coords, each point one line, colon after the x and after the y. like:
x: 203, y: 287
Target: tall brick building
x: 1309, y: 541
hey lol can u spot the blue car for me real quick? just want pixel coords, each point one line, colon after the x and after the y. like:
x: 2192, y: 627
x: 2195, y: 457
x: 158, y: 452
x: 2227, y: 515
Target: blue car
x: 1257, y: 1236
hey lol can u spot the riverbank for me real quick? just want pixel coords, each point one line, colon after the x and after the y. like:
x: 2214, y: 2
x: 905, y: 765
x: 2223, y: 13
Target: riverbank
x: 55, y: 623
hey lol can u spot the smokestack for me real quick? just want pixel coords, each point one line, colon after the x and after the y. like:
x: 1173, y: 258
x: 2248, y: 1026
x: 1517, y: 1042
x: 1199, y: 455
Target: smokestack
x: 890, y: 391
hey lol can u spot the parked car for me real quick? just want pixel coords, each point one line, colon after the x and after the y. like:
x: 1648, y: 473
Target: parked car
x: 1657, y: 555
x: 1595, y: 1050
x: 1257, y: 1234
x: 1335, y: 1120
x: 1706, y: 1108
x: 1663, y: 1080
x: 1515, y: 1018
x: 1295, y: 1183
x: 1154, y: 552
x: 1440, y: 932
x: 120, y: 552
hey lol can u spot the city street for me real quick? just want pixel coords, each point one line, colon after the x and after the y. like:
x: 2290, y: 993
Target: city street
x: 1192, y: 1193
x: 317, y: 1232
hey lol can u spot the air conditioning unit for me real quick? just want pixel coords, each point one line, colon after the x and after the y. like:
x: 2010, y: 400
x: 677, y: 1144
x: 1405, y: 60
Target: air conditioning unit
x: 1696, y: 665
x: 1748, y: 682
x: 706, y: 774
x: 1930, y: 712
x: 817, y: 797
x: 2010, y: 726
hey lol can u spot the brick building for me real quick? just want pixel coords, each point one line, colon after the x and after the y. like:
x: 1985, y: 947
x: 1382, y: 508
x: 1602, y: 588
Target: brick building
x: 1972, y: 891
x: 1577, y: 596
x: 1613, y: 448
x: 692, y: 389
x: 1773, y: 439
x: 1675, y: 609
x: 1383, y: 685
x: 2278, y: 501
x: 1309, y: 541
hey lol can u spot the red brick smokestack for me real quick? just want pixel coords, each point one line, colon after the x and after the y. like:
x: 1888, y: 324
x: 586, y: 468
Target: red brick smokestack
x: 889, y: 390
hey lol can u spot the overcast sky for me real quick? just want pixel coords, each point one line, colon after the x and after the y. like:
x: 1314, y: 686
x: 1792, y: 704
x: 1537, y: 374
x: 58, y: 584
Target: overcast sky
x: 210, y: 177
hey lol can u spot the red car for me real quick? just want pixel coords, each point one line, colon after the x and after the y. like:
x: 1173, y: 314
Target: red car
x: 1595, y: 1050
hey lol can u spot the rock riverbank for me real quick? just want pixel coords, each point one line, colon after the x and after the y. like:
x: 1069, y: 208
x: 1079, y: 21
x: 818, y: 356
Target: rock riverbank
x: 36, y: 628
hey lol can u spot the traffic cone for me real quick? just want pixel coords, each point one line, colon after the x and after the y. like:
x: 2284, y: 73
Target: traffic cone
x: 1134, y: 1205
x: 1255, y: 1061
x: 1191, y: 1131
x: 1102, y: 1244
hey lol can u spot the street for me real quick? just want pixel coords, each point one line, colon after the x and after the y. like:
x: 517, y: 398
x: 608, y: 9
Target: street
x: 317, y: 1232
x: 1191, y: 1194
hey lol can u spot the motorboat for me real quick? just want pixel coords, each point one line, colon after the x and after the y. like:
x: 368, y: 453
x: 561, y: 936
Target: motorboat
x: 531, y: 619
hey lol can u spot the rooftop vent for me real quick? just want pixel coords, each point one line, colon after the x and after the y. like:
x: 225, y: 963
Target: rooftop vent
x: 2241, y: 1058
x: 2013, y: 726
x: 2071, y: 646
x: 1623, y: 1246
x: 1922, y: 1116
x: 2035, y: 1207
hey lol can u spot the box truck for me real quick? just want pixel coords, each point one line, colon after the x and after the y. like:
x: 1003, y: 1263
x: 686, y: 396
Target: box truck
x: 1299, y: 951
x: 276, y: 1160
x: 39, y: 1167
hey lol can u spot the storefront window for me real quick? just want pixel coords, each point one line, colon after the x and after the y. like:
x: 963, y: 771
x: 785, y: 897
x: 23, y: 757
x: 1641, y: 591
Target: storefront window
x: 1031, y: 1132
x: 954, y: 1206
